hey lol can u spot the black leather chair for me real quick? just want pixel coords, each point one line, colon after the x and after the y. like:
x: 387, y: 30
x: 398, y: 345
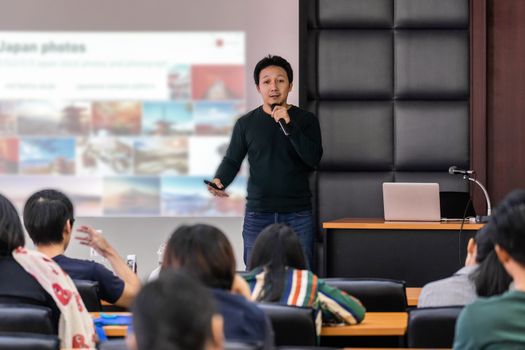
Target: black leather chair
x: 432, y: 327
x: 25, y: 318
x: 293, y: 326
x: 377, y: 295
x: 89, y: 292
x: 28, y: 341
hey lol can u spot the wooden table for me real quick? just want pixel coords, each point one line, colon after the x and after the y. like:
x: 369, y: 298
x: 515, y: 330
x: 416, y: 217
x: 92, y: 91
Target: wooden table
x: 416, y: 252
x: 374, y: 324
x: 113, y: 331
x: 413, y: 296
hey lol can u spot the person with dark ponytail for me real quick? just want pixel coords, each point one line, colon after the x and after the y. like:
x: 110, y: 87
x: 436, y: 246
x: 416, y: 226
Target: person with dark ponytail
x: 483, y: 275
x: 278, y: 273
x: 491, y: 278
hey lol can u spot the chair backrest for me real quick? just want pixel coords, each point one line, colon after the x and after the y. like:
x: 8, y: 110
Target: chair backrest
x: 291, y: 325
x: 377, y: 295
x: 28, y: 341
x: 432, y: 327
x: 88, y: 291
x: 25, y: 318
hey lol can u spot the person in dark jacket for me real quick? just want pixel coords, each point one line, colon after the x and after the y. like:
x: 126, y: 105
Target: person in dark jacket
x: 283, y: 144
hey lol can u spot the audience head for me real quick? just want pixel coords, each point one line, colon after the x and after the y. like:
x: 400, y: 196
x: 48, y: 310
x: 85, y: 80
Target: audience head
x: 11, y: 233
x: 175, y: 312
x: 509, y: 231
x: 479, y: 247
x: 48, y: 214
x: 490, y: 277
x: 277, y: 245
x: 204, y: 252
x: 484, y: 245
x: 276, y: 248
x: 272, y: 61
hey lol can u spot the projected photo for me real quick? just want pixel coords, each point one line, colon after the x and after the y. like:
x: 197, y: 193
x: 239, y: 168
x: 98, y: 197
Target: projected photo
x: 206, y: 153
x: 166, y: 156
x: 128, y: 125
x: 179, y: 82
x: 84, y: 191
x: 167, y: 118
x: 131, y: 196
x: 116, y: 118
x: 8, y: 156
x: 45, y: 118
x: 185, y: 196
x: 217, y: 82
x: 75, y: 118
x: 215, y: 118
x: 47, y: 156
x: 104, y: 156
x: 7, y: 118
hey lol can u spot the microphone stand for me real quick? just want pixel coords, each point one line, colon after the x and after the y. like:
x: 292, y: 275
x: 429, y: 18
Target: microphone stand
x: 481, y: 218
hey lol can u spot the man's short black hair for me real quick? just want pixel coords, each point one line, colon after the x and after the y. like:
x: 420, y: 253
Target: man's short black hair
x: 272, y: 61
x: 45, y: 215
x: 509, y: 223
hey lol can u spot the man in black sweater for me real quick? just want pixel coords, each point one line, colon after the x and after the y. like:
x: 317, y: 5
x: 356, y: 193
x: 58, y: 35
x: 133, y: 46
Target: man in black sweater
x: 283, y: 143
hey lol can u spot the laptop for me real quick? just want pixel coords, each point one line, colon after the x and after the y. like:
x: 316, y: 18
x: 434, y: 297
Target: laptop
x: 411, y: 201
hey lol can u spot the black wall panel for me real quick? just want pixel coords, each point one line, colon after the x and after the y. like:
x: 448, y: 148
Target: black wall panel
x: 360, y: 191
x: 431, y: 64
x: 346, y: 146
x: 389, y: 82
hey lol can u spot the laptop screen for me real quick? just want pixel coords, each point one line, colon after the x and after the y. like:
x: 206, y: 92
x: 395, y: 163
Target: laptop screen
x: 411, y: 201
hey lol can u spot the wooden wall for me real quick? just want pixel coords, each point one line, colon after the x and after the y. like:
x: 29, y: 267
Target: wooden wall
x: 498, y: 96
x: 506, y: 96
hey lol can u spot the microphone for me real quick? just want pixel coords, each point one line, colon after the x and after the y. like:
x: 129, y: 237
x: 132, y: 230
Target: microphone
x: 453, y: 170
x: 281, y: 122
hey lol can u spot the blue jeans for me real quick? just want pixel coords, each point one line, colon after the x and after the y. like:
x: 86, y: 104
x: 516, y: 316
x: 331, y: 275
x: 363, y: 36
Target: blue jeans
x: 301, y: 222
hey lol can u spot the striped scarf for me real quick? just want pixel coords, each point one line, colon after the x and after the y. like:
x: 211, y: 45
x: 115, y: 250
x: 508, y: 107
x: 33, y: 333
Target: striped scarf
x: 302, y: 288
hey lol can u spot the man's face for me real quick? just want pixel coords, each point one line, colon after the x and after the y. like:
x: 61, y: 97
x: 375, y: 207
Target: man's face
x: 274, y: 85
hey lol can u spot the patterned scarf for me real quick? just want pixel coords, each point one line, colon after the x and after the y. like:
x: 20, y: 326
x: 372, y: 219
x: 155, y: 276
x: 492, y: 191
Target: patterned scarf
x: 75, y: 328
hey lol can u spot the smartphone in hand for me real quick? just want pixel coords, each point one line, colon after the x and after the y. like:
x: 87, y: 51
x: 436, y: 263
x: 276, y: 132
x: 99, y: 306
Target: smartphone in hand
x: 212, y: 184
x: 131, y: 261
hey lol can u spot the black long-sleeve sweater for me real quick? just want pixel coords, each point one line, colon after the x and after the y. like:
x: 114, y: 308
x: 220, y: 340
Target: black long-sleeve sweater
x: 279, y: 164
